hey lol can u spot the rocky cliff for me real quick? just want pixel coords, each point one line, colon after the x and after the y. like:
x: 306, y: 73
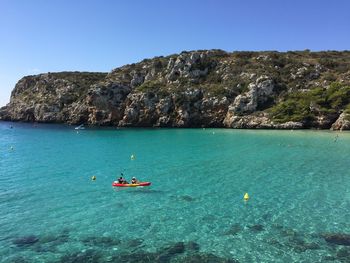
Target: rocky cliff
x: 210, y: 88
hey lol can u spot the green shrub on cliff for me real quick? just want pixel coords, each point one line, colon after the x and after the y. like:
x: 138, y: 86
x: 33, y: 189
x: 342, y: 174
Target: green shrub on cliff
x: 154, y: 87
x: 148, y: 86
x: 338, y: 96
x: 295, y: 108
x: 304, y: 106
x: 347, y: 109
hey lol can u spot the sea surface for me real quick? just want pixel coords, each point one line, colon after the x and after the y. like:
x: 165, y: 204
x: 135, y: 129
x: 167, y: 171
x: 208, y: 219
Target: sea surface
x: 52, y: 211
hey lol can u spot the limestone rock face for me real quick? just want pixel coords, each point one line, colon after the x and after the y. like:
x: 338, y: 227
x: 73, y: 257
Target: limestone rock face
x: 342, y: 123
x: 251, y: 122
x: 205, y: 88
x: 290, y: 125
x: 51, y: 97
x: 106, y: 103
x: 140, y: 110
x: 191, y: 65
x: 259, y: 92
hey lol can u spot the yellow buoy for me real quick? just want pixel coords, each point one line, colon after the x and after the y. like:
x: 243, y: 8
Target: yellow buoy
x: 132, y: 157
x: 246, y: 197
x: 93, y: 178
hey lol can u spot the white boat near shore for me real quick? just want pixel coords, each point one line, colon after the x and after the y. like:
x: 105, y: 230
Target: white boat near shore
x: 80, y: 127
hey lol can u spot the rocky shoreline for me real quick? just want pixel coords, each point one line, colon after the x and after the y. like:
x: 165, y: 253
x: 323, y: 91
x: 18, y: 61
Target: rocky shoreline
x: 210, y: 88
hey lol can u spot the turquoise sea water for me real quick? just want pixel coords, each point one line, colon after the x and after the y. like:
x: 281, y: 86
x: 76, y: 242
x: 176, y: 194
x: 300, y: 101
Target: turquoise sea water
x: 51, y: 210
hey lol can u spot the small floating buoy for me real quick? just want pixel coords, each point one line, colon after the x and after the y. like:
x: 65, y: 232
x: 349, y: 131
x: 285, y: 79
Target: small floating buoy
x: 93, y: 178
x: 246, y: 197
x: 132, y: 157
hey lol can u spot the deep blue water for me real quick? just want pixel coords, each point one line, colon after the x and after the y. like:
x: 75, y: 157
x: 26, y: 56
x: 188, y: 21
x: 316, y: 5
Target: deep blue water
x: 51, y: 210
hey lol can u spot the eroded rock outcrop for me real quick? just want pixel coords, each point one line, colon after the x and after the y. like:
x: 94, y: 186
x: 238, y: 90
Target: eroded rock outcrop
x: 247, y: 103
x: 209, y: 88
x: 342, y: 123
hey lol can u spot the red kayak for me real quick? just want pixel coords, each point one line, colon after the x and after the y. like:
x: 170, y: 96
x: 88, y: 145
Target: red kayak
x: 115, y: 183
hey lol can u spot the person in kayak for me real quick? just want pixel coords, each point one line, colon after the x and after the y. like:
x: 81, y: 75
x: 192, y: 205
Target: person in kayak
x: 121, y: 180
x: 134, y: 180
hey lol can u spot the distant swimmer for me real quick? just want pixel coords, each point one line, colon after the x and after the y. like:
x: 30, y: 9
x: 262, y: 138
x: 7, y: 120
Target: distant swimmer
x: 336, y: 138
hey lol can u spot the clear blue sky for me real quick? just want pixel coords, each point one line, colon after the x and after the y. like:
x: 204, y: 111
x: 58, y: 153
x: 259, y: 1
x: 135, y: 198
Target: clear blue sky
x: 58, y: 35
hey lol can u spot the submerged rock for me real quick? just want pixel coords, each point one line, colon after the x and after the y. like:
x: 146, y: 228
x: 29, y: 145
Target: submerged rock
x: 169, y: 252
x: 234, y: 230
x: 82, y: 257
x: 26, y: 241
x: 192, y: 246
x: 55, y: 239
x: 179, y: 252
x: 163, y: 255
x: 187, y: 198
x: 16, y: 259
x: 101, y: 241
x: 140, y: 257
x: 134, y: 242
x: 176, y: 248
x: 299, y: 245
x: 285, y: 231
x: 343, y: 254
x: 288, y: 238
x: 337, y: 238
x: 50, y: 242
x: 256, y: 228
x: 205, y: 258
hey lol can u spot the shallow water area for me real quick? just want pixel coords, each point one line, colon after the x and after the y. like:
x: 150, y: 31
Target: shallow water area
x: 51, y: 210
